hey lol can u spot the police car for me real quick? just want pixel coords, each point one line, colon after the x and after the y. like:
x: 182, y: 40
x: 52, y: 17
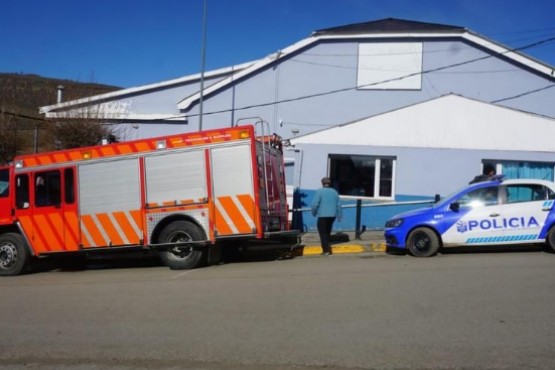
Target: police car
x: 493, y: 212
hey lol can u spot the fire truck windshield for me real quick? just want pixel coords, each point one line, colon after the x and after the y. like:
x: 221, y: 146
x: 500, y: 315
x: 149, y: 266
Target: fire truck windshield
x: 4, y: 183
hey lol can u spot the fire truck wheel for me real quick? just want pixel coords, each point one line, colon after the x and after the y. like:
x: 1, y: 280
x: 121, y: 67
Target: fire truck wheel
x: 184, y: 256
x: 14, y: 255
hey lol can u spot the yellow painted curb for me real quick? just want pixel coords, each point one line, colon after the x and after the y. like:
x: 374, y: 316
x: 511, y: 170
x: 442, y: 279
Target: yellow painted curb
x: 347, y: 248
x: 378, y: 247
x: 344, y: 248
x: 309, y: 250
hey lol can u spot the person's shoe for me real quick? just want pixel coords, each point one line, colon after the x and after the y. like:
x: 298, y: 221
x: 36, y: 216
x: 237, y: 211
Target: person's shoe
x: 325, y: 254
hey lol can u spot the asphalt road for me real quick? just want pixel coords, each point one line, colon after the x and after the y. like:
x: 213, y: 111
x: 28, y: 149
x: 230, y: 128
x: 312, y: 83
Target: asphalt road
x: 361, y: 311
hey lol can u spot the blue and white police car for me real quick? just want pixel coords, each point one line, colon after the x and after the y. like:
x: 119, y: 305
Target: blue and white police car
x: 493, y: 212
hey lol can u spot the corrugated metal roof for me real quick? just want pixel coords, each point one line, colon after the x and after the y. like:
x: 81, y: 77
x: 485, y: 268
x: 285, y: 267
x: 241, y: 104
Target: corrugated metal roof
x: 48, y: 110
x: 451, y: 122
x: 388, y: 25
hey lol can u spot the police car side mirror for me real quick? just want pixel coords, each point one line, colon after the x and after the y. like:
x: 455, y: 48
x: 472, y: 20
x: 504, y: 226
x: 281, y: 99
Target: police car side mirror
x: 437, y: 198
x: 454, y: 207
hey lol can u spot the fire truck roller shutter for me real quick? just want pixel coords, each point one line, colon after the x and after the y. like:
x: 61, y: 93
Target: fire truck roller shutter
x: 234, y: 190
x: 181, y: 257
x: 110, y: 203
x: 176, y: 178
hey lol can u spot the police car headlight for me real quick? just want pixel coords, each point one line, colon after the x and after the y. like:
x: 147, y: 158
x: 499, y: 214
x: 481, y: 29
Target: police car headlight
x: 394, y: 223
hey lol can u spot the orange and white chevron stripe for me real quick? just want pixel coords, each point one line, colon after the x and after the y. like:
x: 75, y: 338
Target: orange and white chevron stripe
x: 235, y: 215
x: 51, y: 232
x: 115, y: 228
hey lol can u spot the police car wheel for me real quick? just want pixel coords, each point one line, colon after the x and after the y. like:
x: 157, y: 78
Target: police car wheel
x: 181, y: 257
x: 14, y: 254
x: 550, y: 242
x: 423, y: 242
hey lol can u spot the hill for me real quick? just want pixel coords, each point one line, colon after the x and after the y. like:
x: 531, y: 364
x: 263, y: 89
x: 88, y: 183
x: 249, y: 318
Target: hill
x: 25, y: 93
x: 21, y: 95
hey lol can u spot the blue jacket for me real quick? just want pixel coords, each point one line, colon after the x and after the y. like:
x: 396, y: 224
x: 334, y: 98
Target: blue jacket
x: 326, y: 203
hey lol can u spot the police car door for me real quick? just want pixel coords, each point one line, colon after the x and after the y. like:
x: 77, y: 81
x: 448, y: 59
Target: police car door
x: 474, y: 218
x: 525, y: 209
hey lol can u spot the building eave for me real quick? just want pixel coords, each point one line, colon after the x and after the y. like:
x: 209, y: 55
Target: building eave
x: 140, y: 89
x: 117, y: 117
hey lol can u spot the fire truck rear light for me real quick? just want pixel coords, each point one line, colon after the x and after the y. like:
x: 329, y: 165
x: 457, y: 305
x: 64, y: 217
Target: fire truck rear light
x: 244, y: 134
x: 87, y: 155
x: 19, y: 164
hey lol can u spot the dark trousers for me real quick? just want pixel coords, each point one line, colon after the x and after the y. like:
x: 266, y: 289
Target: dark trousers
x: 324, y: 225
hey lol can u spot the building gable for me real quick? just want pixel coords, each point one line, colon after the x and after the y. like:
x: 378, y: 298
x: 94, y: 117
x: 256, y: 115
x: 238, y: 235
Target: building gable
x: 450, y: 122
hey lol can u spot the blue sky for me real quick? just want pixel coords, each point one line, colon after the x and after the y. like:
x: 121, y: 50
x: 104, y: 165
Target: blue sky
x: 130, y: 43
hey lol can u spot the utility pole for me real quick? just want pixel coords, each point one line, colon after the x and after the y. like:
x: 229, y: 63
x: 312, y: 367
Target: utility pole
x: 202, y: 63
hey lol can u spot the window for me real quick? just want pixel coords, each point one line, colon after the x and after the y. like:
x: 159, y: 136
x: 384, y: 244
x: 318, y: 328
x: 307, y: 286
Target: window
x: 22, y: 191
x: 69, y: 196
x: 362, y: 176
x: 522, y: 169
x: 528, y: 193
x: 289, y: 171
x: 47, y: 189
x: 4, y: 183
x: 390, y: 65
x: 480, y: 197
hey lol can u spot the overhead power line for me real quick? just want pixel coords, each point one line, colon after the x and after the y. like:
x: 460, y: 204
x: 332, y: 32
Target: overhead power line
x: 524, y: 94
x: 19, y: 115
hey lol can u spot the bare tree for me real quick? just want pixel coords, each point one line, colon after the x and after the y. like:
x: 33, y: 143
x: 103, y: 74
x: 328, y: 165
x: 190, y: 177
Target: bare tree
x: 78, y: 133
x: 84, y: 126
x: 8, y: 135
x: 12, y: 123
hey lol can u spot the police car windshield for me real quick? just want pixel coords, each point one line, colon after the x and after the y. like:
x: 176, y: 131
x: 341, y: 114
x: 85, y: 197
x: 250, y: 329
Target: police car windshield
x: 462, y: 195
x: 447, y: 199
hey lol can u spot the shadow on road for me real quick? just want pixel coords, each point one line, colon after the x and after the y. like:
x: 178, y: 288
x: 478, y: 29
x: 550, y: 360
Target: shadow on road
x: 145, y: 259
x: 478, y: 249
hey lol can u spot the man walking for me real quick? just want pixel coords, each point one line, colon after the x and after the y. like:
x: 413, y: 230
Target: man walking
x: 327, y: 207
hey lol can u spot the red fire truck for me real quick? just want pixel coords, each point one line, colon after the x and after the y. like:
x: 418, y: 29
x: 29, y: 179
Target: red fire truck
x: 181, y: 195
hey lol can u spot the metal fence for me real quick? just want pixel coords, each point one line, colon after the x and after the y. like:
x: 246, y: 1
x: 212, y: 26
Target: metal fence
x: 359, y: 206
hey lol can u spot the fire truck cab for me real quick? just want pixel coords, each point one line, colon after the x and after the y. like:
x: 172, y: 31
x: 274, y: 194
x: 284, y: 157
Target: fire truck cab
x: 179, y: 195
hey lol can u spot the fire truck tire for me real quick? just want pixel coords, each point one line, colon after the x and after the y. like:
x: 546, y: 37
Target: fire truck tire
x: 14, y: 254
x: 181, y: 257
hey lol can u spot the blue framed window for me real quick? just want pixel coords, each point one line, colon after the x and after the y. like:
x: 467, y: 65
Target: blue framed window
x: 523, y: 169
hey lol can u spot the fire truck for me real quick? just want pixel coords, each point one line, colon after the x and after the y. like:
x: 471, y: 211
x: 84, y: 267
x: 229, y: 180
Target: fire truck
x: 181, y: 196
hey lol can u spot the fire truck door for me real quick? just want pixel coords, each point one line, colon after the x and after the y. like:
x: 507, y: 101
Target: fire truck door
x: 50, y: 220
x: 235, y: 211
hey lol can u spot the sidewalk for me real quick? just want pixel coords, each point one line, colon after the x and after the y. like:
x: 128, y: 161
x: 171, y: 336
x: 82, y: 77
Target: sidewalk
x: 344, y: 242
